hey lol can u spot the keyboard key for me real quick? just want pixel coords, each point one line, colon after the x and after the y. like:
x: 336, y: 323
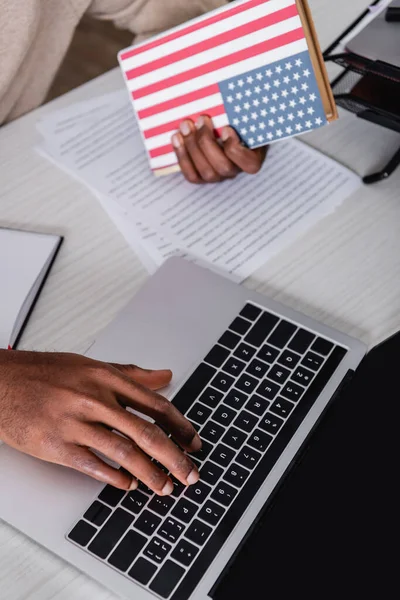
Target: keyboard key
x: 97, y: 513
x: 211, y: 397
x: 270, y: 423
x: 282, y: 334
x: 248, y: 457
x: 240, y: 326
x: 135, y: 501
x: 167, y: 579
x: 247, y: 383
x: 222, y: 455
x: 111, y: 495
x: 171, y: 530
x: 312, y: 361
x: 222, y: 382
x: 198, y: 492
x: 278, y: 374
x: 251, y: 312
x: 202, y: 454
x: 161, y: 504
x: 142, y: 571
x: 198, y: 532
x: 111, y: 533
x: 229, y: 339
x: 263, y: 327
x: 257, y: 368
x: 210, y: 473
x: 82, y: 533
x: 301, y: 341
x: 245, y: 352
x: 212, y: 432
x: 292, y: 391
x: 322, y: 346
x: 259, y: 440
x: 282, y: 408
x: 193, y: 387
x: 184, y: 510
x: 246, y: 421
x: 235, y: 399
x: 211, y: 512
x: 268, y: 354
x: 157, y: 550
x: 303, y: 376
x: 217, y: 356
x: 268, y: 389
x: 257, y: 405
x: 178, y: 487
x: 224, y: 493
x: 289, y: 359
x: 236, y: 475
x: 234, y: 438
x: 147, y: 522
x: 126, y: 552
x: 224, y: 415
x: 185, y: 553
x: 233, y: 367
x: 199, y: 413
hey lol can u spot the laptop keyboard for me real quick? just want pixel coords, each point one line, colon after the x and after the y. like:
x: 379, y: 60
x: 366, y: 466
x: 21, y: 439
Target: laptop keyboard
x: 246, y: 399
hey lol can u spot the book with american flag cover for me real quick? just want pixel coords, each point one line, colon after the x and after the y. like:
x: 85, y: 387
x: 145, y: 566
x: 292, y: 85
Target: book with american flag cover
x: 253, y: 64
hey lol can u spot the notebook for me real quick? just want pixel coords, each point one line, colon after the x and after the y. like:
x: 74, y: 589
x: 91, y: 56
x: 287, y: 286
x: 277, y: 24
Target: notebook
x: 25, y: 261
x: 254, y: 64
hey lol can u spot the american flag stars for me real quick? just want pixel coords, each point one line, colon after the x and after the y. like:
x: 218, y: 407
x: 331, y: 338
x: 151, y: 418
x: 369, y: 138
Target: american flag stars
x: 281, y: 101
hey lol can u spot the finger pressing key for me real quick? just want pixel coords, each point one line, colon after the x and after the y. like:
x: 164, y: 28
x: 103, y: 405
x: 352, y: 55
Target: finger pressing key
x: 131, y: 458
x: 145, y: 439
x: 158, y: 408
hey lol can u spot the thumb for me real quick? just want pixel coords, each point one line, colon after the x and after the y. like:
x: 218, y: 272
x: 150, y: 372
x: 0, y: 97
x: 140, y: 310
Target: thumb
x: 152, y: 379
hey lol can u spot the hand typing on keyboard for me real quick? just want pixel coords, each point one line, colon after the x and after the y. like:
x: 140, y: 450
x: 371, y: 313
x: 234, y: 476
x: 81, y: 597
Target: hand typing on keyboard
x: 247, y: 398
x: 60, y: 407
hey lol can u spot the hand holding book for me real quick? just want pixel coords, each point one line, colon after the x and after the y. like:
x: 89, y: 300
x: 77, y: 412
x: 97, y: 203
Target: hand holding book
x: 254, y: 65
x: 202, y: 158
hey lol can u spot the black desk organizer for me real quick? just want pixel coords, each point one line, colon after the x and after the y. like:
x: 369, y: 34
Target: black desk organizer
x: 354, y: 68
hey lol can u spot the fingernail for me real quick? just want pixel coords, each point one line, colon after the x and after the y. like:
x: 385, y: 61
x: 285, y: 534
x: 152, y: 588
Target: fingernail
x: 185, y: 128
x: 176, y: 140
x: 193, y: 477
x: 225, y: 134
x: 200, y: 122
x: 134, y: 484
x: 168, y: 488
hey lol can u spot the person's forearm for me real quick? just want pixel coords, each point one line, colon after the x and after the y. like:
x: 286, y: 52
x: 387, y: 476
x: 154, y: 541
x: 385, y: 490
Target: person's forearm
x: 145, y: 18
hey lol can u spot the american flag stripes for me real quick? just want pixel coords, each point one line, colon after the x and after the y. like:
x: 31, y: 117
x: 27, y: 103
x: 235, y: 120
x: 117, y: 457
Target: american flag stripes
x: 193, y: 70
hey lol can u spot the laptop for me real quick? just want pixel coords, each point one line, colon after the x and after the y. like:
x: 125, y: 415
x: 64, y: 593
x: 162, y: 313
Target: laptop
x: 259, y: 382
x: 378, y: 41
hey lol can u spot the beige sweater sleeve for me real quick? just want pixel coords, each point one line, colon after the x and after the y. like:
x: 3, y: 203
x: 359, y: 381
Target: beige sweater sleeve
x: 147, y: 17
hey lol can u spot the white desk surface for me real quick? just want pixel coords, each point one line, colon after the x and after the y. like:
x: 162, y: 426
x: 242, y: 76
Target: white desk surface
x: 345, y: 272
